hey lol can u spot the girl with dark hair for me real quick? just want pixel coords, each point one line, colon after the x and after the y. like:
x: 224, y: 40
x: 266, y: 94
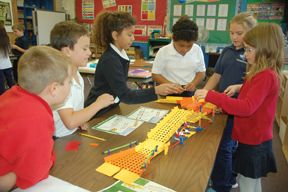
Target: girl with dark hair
x: 113, y: 32
x: 6, y: 71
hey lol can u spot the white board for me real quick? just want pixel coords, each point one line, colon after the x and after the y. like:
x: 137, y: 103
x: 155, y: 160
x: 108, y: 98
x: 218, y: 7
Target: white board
x: 43, y: 22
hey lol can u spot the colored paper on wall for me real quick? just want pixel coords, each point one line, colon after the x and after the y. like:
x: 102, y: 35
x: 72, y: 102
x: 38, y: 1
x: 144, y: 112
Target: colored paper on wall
x: 140, y: 30
x: 148, y: 10
x: 108, y: 3
x: 152, y: 28
x: 88, y: 9
x: 125, y: 8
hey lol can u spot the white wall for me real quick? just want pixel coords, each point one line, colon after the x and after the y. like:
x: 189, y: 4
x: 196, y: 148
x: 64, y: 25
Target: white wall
x: 68, y: 6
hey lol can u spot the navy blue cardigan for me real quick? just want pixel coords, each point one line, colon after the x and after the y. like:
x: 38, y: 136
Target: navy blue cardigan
x: 111, y: 77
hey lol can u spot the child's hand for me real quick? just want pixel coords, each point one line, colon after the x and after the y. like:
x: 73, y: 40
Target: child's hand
x: 190, y: 87
x: 168, y: 88
x: 232, y: 89
x: 201, y: 94
x: 84, y: 126
x: 104, y: 100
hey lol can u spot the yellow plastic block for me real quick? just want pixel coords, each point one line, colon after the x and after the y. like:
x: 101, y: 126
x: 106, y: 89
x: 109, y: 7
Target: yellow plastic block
x: 190, y: 134
x: 166, y: 148
x: 166, y: 128
x: 108, y: 169
x: 165, y: 101
x: 170, y: 99
x: 147, y: 146
x: 126, y: 176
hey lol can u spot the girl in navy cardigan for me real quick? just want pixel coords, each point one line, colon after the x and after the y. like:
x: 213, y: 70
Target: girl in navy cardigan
x: 113, y: 32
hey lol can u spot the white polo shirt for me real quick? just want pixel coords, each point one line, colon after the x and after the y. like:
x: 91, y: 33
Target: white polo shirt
x: 75, y: 101
x: 177, y: 68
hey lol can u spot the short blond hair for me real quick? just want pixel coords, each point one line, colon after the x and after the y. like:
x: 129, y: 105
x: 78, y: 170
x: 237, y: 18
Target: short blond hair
x: 247, y: 20
x: 40, y: 66
x: 19, y: 27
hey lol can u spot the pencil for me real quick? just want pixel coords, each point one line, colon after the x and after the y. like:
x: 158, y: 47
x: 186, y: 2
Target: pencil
x: 91, y: 136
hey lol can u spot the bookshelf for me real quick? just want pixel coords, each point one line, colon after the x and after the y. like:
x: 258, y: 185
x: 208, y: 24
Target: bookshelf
x: 24, y: 12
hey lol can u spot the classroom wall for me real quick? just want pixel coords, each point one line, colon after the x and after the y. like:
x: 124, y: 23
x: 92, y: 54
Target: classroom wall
x: 207, y: 15
x: 67, y: 6
x: 161, y: 11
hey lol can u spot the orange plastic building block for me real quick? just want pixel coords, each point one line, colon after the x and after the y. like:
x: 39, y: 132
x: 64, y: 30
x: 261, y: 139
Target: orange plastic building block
x: 128, y: 159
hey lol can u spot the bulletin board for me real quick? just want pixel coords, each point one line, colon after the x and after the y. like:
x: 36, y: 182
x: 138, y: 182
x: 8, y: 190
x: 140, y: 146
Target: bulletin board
x: 149, y: 14
x: 213, y: 16
x: 267, y: 11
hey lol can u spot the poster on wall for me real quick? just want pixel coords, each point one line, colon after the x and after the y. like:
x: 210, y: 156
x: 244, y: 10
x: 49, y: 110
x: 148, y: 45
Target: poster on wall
x: 152, y: 28
x: 88, y: 9
x: 267, y: 11
x: 125, y: 8
x: 108, y: 3
x: 6, y: 16
x: 148, y: 10
x: 140, y: 30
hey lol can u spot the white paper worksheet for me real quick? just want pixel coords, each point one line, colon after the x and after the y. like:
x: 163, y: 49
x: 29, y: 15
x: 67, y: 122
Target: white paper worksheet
x: 52, y: 184
x: 149, y: 115
x: 118, y: 124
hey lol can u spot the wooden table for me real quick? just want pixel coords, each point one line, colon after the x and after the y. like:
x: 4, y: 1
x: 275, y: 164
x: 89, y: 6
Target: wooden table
x: 186, y: 167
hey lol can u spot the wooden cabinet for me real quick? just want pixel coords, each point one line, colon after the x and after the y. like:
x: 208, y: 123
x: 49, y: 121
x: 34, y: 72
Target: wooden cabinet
x: 282, y: 114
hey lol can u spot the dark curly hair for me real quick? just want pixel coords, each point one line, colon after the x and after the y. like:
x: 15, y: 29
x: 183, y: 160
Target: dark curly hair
x: 107, y: 22
x: 185, y: 29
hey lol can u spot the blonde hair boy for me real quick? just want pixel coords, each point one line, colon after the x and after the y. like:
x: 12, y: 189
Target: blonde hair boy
x: 27, y: 127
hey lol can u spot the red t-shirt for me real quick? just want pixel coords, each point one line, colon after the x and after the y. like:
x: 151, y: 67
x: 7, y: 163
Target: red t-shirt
x: 26, y: 130
x: 254, y: 110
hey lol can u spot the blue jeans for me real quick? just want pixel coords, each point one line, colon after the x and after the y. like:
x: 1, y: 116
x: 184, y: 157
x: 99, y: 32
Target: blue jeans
x: 222, y: 175
x: 6, y: 76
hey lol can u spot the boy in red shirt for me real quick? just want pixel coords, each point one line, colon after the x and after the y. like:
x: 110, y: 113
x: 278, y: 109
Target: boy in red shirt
x: 26, y: 129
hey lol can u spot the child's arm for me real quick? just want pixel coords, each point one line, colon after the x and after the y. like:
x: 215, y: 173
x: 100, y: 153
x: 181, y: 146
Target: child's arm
x: 232, y: 90
x: 261, y: 86
x: 159, y: 79
x: 73, y: 119
x: 197, y: 79
x: 168, y: 88
x: 213, y: 81
x: 7, y: 181
x: 18, y: 48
